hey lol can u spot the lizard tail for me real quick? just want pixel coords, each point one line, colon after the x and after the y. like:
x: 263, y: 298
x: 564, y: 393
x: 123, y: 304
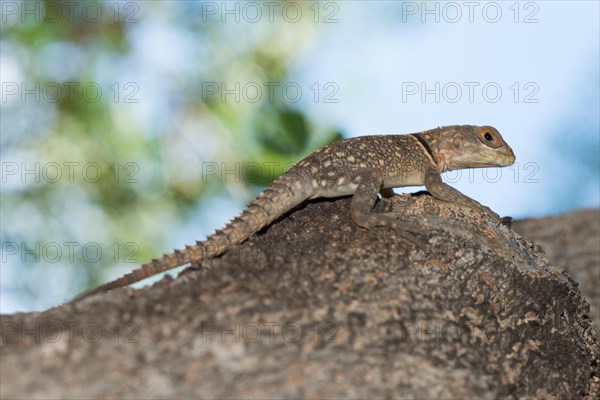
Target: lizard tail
x: 282, y: 195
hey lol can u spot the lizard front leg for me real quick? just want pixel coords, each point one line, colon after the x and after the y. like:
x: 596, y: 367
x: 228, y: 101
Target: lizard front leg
x: 361, y: 209
x: 445, y: 192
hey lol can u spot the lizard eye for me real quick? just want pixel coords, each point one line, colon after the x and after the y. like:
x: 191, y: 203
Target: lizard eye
x: 490, y: 137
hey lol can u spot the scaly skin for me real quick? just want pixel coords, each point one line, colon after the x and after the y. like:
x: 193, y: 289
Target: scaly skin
x: 361, y: 167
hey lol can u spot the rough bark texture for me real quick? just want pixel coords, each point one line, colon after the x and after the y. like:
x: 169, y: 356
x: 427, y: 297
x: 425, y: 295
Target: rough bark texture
x: 314, y: 307
x: 572, y: 241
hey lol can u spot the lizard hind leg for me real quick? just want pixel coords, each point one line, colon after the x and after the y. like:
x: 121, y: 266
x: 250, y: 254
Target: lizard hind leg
x: 385, y: 203
x: 361, y: 209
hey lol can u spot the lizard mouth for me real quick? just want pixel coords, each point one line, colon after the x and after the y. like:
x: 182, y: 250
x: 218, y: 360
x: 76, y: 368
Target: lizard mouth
x: 502, y: 158
x: 499, y: 159
x: 506, y: 159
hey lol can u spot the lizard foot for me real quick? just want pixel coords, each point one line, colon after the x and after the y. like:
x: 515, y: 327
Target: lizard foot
x: 383, y: 206
x: 411, y: 238
x: 405, y: 230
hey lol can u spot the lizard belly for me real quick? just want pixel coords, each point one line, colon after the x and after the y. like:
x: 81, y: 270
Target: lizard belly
x: 337, y: 191
x: 415, y: 178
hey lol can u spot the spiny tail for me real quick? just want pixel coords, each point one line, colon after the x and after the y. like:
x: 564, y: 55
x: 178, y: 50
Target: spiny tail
x: 281, y: 196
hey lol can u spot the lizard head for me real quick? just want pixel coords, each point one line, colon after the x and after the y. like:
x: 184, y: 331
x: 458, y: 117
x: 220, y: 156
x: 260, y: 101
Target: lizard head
x: 469, y: 146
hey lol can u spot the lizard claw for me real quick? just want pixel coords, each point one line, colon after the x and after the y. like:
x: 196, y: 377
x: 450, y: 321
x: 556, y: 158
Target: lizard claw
x: 382, y: 236
x: 415, y: 240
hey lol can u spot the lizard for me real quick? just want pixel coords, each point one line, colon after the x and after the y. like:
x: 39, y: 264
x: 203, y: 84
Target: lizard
x: 362, y: 166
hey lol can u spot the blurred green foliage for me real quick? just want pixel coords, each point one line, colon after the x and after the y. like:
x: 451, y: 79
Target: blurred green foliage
x: 150, y: 151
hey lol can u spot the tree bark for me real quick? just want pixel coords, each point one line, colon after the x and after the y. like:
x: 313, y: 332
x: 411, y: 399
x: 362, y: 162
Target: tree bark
x: 315, y: 307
